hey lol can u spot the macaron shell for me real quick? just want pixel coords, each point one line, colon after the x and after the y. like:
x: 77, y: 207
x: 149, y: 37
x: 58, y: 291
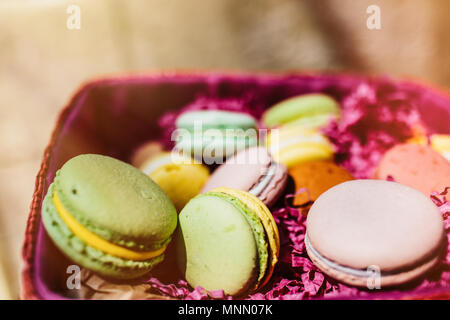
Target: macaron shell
x: 214, y: 148
x: 248, y: 170
x: 211, y: 135
x: 180, y: 179
x: 291, y: 145
x: 241, y: 171
x: 317, y: 177
x: 303, y: 152
x: 116, y: 201
x: 84, y: 255
x: 219, y: 246
x: 181, y: 182
x: 268, y: 222
x: 384, y: 280
x: 361, y: 223
x: 416, y: 166
x: 314, y: 122
x: 287, y: 135
x: 144, y: 152
x: 299, y: 106
x: 161, y: 159
x: 217, y: 119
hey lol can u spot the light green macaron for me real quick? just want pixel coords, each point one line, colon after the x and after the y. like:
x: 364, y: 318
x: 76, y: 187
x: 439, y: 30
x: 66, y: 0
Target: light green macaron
x: 228, y: 240
x: 308, y: 110
x: 212, y: 135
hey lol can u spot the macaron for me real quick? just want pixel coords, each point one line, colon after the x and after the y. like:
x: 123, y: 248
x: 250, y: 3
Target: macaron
x: 293, y: 145
x: 313, y: 110
x: 317, y: 177
x: 108, y: 216
x: 212, y: 135
x: 374, y: 232
x: 228, y: 240
x: 180, y: 177
x: 144, y: 152
x: 417, y: 166
x: 252, y: 170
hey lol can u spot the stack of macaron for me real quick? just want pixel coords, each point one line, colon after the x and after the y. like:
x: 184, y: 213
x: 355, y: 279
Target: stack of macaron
x: 295, y: 124
x: 225, y: 142
x: 296, y: 140
x: 227, y: 236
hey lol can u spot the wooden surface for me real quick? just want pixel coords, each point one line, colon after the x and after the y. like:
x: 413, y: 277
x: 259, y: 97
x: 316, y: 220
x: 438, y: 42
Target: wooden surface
x: 42, y: 62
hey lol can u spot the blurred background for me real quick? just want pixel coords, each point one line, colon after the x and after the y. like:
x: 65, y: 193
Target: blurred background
x: 43, y: 61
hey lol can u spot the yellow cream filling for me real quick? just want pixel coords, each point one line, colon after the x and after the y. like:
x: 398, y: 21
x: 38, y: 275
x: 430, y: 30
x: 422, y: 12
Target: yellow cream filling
x: 97, y: 242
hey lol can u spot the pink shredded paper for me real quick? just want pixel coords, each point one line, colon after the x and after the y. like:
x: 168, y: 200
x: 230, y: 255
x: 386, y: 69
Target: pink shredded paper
x: 375, y: 117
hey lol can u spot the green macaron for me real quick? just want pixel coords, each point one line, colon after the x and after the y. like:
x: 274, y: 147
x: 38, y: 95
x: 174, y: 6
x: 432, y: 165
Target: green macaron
x: 108, y: 216
x: 212, y: 135
x: 308, y: 110
x: 228, y: 240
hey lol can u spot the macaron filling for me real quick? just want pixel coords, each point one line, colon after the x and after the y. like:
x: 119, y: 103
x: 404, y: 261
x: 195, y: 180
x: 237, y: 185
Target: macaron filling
x: 311, y: 139
x: 262, y: 184
x: 93, y: 240
x: 366, y: 273
x: 167, y: 158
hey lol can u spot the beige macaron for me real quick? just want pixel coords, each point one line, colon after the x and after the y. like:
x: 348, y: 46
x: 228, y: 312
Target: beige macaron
x: 363, y: 231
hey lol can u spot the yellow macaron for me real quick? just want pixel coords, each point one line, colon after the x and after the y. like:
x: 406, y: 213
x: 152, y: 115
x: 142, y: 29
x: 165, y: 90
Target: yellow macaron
x: 181, y: 178
x: 291, y: 145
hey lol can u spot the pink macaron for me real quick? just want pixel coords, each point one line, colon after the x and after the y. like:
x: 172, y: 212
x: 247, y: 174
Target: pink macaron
x: 374, y: 233
x: 417, y: 166
x: 252, y: 170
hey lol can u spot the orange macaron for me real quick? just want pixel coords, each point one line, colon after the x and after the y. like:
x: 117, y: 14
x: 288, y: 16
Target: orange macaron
x: 317, y: 177
x: 417, y: 166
